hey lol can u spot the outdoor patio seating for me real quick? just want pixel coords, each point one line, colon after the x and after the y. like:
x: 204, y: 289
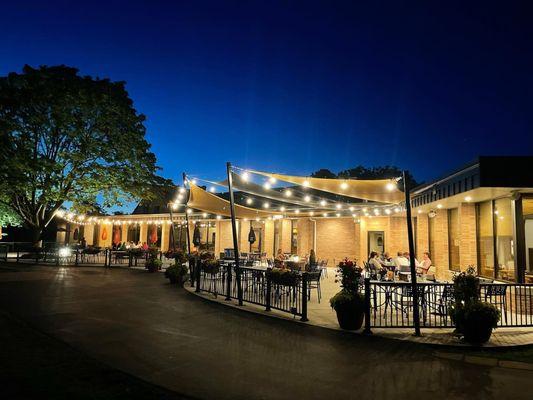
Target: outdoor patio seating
x: 313, y: 282
x: 496, y: 294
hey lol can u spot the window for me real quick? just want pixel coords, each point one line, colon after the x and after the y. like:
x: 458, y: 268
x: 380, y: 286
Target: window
x: 154, y: 235
x: 503, y: 217
x: 134, y: 233
x: 453, y: 239
x: 485, y: 239
x: 96, y: 232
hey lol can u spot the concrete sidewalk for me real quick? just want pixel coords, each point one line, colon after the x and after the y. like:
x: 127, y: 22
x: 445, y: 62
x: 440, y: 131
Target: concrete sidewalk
x: 138, y: 323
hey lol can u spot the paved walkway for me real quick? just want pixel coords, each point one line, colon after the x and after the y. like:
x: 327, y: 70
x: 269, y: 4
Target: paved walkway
x: 138, y: 323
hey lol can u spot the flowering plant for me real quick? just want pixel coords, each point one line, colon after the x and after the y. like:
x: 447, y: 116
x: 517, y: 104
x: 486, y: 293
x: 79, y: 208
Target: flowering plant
x: 349, y: 275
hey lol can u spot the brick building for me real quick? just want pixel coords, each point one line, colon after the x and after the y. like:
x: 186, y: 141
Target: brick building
x: 480, y: 215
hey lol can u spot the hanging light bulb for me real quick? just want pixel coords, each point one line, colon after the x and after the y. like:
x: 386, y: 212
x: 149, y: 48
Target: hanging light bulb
x: 249, y: 200
x: 174, y: 206
x: 189, y: 211
x: 272, y: 180
x: 390, y: 186
x: 180, y: 197
x: 181, y: 190
x: 297, y: 211
x: 288, y: 193
x: 282, y: 209
x: 344, y: 186
x: 245, y: 176
x: 257, y: 219
x: 387, y: 211
x: 322, y: 203
x: 204, y: 215
x: 365, y: 209
x: 325, y: 214
x: 212, y: 189
x: 396, y: 209
x: 266, y: 204
x: 219, y: 217
x: 338, y: 215
x: 305, y: 183
x: 338, y: 206
x: 351, y: 208
x: 194, y: 181
x: 311, y: 213
x: 307, y: 198
x: 267, y: 185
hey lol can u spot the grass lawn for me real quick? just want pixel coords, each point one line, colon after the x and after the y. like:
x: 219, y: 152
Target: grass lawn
x: 36, y: 366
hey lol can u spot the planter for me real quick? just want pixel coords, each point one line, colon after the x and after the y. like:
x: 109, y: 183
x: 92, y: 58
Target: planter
x: 479, y: 320
x: 477, y: 333
x: 350, y: 317
x: 350, y: 309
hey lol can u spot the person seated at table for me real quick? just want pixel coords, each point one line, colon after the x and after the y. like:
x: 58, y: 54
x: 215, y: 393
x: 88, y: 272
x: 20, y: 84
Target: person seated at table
x: 374, y: 264
x: 386, y: 261
x: 425, y: 265
x: 123, y: 246
x: 144, y: 246
x: 401, y: 260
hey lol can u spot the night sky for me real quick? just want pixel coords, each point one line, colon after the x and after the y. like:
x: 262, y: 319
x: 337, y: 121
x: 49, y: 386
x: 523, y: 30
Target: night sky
x: 297, y: 86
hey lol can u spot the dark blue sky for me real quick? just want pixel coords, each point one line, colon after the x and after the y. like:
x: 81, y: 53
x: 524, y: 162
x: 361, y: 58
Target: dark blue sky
x: 296, y: 86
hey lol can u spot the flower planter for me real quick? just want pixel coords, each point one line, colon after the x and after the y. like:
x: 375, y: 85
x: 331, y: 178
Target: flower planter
x: 350, y: 317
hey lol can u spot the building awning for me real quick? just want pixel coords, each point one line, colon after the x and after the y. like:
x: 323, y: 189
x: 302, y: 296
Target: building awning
x: 204, y: 201
x: 380, y: 190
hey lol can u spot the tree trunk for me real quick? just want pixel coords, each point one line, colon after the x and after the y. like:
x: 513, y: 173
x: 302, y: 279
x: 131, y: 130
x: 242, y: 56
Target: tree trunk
x: 36, y: 233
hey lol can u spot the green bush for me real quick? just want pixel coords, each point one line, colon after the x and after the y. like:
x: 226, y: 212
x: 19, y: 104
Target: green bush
x: 283, y: 277
x: 347, y: 300
x: 177, y: 273
x: 211, y: 266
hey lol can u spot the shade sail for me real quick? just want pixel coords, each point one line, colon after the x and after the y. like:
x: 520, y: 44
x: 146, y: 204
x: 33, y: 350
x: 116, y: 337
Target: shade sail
x: 210, y: 203
x: 380, y: 190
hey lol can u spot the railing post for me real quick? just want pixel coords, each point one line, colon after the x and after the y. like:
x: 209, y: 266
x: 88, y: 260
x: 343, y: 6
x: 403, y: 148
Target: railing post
x: 367, y: 330
x: 268, y: 289
x: 192, y: 270
x: 304, y: 298
x: 228, y: 282
x: 76, y: 259
x: 197, y: 268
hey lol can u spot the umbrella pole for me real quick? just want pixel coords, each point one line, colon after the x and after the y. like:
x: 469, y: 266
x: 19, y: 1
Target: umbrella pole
x: 234, y: 231
x: 187, y: 221
x: 410, y: 236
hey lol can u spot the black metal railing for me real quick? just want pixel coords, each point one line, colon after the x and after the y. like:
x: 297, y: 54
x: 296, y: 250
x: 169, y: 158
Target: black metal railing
x: 257, y: 287
x: 391, y: 304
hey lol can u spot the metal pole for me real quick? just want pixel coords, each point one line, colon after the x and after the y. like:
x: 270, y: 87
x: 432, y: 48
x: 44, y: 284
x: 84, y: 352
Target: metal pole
x: 416, y: 315
x: 234, y: 231
x: 172, y: 231
x: 187, y: 220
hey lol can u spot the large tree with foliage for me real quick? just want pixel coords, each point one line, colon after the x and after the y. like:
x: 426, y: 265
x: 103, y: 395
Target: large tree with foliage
x: 70, y: 138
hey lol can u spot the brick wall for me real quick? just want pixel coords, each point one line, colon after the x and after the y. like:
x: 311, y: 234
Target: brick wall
x: 439, y: 238
x: 467, y: 235
x: 335, y: 239
x: 422, y: 234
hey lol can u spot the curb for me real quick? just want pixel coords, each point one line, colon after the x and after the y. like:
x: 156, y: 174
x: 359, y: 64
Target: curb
x: 485, y: 361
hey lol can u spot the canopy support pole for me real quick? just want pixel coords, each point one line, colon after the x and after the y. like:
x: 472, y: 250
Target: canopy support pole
x: 234, y: 232
x: 172, y: 231
x: 187, y: 221
x: 410, y: 236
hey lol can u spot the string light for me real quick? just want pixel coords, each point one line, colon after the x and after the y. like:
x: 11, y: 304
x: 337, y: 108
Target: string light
x: 266, y: 204
x: 288, y: 193
x: 212, y: 189
x: 297, y: 211
x: 249, y: 201
x: 267, y: 185
x: 351, y: 208
x: 219, y: 217
x: 397, y: 209
x: 204, y: 215
x: 305, y: 183
x: 182, y: 190
x: 390, y: 186
x: 307, y: 198
x: 344, y: 186
x: 439, y: 206
x: 282, y: 209
x: 322, y: 203
x: 338, y: 214
x: 325, y: 214
x: 272, y: 180
x: 338, y: 206
x: 245, y: 176
x: 387, y: 211
x: 311, y: 213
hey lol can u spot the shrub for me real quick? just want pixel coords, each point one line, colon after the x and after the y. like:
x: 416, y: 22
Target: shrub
x: 176, y: 273
x: 349, y: 274
x: 479, y: 320
x: 283, y: 277
x: 211, y: 266
x: 348, y: 301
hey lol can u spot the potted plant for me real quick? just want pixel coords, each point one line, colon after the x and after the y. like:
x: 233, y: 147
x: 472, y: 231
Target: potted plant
x: 211, y: 266
x: 480, y: 319
x: 473, y: 318
x: 177, y: 273
x: 348, y: 303
x: 153, y: 264
x: 283, y: 277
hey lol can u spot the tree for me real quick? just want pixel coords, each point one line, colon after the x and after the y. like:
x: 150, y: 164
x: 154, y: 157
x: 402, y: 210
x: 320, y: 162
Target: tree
x: 66, y: 137
x: 323, y: 173
x: 360, y: 172
x: 8, y: 216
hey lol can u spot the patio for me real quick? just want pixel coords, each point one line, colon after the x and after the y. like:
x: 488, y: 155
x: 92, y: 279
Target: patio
x: 322, y: 315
